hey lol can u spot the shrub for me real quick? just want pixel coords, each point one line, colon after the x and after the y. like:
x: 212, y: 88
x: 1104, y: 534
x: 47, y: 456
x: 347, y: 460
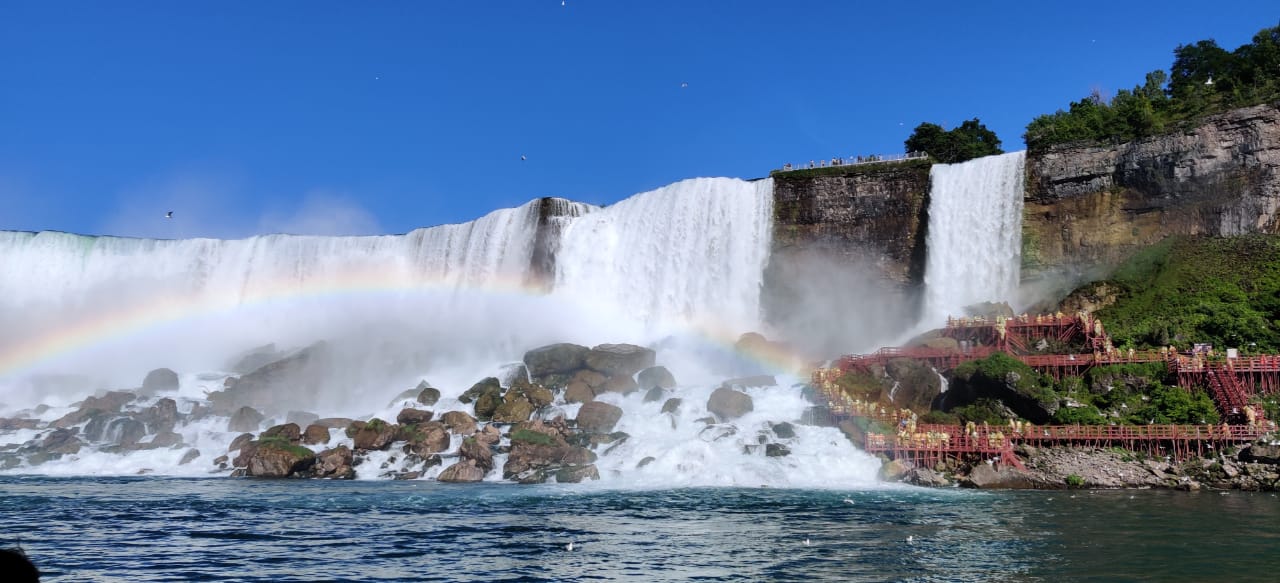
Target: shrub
x: 1075, y: 481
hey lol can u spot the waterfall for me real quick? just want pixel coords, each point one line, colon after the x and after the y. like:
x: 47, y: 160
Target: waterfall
x: 975, y: 234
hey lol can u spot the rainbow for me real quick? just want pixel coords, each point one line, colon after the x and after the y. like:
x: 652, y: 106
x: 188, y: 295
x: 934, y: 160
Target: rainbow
x: 139, y: 318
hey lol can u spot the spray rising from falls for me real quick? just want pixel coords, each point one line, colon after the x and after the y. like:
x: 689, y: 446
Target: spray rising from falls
x: 449, y: 304
x: 975, y: 234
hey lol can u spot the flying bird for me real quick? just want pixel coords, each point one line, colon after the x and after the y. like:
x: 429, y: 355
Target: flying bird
x: 684, y: 85
x: 522, y: 157
x: 168, y: 215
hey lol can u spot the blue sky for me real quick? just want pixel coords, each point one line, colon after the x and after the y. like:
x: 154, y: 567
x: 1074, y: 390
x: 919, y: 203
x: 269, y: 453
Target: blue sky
x: 380, y: 117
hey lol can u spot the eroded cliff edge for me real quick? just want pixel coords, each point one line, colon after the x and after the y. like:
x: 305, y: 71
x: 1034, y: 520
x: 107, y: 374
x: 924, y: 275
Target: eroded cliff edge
x: 1088, y: 207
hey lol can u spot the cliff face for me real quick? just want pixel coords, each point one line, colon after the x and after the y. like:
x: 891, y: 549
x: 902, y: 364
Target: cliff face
x: 1090, y: 207
x: 842, y: 238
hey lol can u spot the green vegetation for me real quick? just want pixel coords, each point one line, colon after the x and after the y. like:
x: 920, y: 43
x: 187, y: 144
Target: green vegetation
x: 854, y: 169
x: 990, y: 411
x: 968, y: 141
x: 1000, y: 369
x: 863, y: 386
x: 282, y: 444
x: 533, y: 437
x: 1132, y: 394
x: 1204, y: 79
x: 1225, y: 292
x: 1075, y: 481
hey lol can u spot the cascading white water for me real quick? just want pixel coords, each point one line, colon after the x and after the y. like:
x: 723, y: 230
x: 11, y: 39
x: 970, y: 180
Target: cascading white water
x: 436, y: 303
x: 975, y: 234
x: 691, y: 252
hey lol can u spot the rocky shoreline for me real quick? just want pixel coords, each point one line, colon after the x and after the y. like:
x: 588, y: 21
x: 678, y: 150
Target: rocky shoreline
x: 1254, y: 467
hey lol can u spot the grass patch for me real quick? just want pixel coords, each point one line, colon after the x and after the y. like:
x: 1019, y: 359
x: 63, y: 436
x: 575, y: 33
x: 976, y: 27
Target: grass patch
x: 282, y: 444
x: 532, y: 437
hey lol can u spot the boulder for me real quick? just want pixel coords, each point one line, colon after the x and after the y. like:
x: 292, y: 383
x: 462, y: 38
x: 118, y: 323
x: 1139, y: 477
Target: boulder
x: 477, y: 452
x: 164, y: 439
x: 729, y: 404
x: 776, y: 450
x: 240, y: 441
x: 465, y: 471
x: 275, y: 458
x: 926, y: 477
x: 656, y: 377
x: 598, y: 417
x: 245, y: 419
x: 751, y: 382
x: 59, y: 442
x: 111, y: 402
x: 486, y: 385
x: 489, y: 435
x: 577, y: 473
x: 514, y: 410
x: 302, y: 418
x: 549, y: 413
x: 277, y: 385
x: 158, y: 380
x: 615, y: 360
x: 986, y: 476
x: 335, y: 464
x: 894, y: 470
x: 672, y: 405
x: 579, y: 392
x: 592, y: 378
x: 96, y: 429
x: 538, y: 395
x: 620, y: 384
x: 162, y: 416
x: 784, y: 430
x: 376, y: 435
x: 513, y: 373
x: 654, y: 395
x: 289, y: 432
x: 427, y: 394
x: 124, y: 431
x: 16, y: 423
x: 536, y: 455
x: 254, y: 358
x: 459, y: 422
x: 413, y: 416
x: 555, y: 359
x: 315, y: 434
x: 989, y: 310
x: 189, y: 456
x: 427, y: 438
x: 1262, y: 451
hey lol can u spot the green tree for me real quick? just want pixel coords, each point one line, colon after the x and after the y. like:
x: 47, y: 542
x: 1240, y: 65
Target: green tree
x: 970, y: 140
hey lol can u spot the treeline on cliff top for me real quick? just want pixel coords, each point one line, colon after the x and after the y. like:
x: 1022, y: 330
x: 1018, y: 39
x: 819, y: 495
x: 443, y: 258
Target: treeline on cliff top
x: 1204, y: 79
x: 1221, y: 291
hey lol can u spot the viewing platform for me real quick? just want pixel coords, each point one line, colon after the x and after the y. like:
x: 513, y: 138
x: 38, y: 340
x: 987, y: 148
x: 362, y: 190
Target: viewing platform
x: 852, y: 161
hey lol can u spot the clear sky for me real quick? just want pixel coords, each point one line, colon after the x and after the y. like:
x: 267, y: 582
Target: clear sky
x: 378, y: 117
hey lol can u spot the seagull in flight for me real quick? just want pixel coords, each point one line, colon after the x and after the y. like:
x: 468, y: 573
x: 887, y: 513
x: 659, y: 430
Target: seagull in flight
x: 684, y: 85
x: 168, y: 215
x: 522, y: 157
x: 569, y: 547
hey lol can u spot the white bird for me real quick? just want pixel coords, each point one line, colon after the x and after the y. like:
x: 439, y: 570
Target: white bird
x: 569, y: 547
x: 168, y: 215
x: 911, y: 539
x: 806, y: 542
x: 848, y: 501
x: 1210, y: 81
x: 522, y: 157
x: 684, y: 85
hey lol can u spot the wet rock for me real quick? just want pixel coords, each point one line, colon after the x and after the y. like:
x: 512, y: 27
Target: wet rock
x: 478, y: 453
x: 111, y: 402
x: 672, y: 405
x: 95, y: 430
x: 619, y: 384
x: 1265, y: 451
x: 986, y: 476
x: 255, y: 358
x: 579, y: 392
x: 646, y: 461
x: 459, y: 422
x: 750, y: 382
x: 576, y: 474
x: 513, y: 410
x: 487, y: 404
x: 656, y: 377
x: 536, y: 454
x: 158, y: 380
x: 729, y: 404
x: 54, y: 445
x: 315, y: 434
x: 406, y: 476
x: 427, y: 394
x: 376, y: 435
x: 413, y: 416
x: 240, y: 441
x: 162, y: 416
x: 555, y: 359
x: 335, y: 464
x: 776, y: 450
x: 597, y: 417
x: 894, y: 470
x: 125, y: 431
x: 427, y: 438
x: 189, y: 456
x: 16, y: 423
x: 784, y: 430
x: 289, y: 432
x: 221, y: 461
x: 549, y: 413
x: 591, y: 378
x: 301, y: 418
x: 245, y: 419
x: 537, y: 395
x: 926, y: 477
x: 277, y: 459
x: 278, y: 385
x: 654, y: 395
x: 464, y: 471
x: 619, y: 360
x: 489, y: 435
x: 713, y: 433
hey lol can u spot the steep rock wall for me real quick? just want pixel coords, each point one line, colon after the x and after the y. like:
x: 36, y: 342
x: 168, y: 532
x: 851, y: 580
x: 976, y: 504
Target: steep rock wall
x: 844, y: 239
x: 1089, y: 207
